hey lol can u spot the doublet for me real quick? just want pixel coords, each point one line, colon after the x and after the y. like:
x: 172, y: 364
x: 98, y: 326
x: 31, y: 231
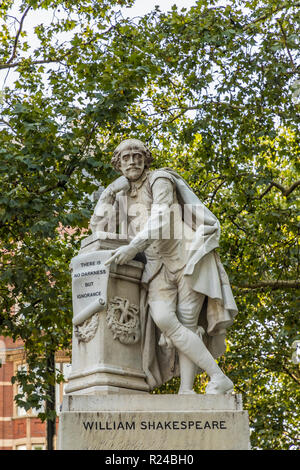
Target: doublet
x: 151, y: 227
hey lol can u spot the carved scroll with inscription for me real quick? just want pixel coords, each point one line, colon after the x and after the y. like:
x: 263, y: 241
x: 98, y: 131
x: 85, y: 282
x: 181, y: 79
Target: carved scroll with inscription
x: 89, y: 284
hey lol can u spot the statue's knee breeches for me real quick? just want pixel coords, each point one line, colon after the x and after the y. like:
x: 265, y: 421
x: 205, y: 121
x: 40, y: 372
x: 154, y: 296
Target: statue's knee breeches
x: 173, y: 302
x: 188, y: 311
x: 164, y: 318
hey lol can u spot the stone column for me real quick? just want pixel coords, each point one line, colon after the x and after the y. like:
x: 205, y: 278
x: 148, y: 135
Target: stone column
x: 106, y: 347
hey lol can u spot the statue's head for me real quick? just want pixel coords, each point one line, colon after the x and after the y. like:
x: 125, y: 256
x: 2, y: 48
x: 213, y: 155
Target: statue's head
x: 131, y: 158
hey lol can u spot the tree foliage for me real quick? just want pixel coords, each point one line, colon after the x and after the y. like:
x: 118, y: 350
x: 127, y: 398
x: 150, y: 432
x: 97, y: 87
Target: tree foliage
x: 213, y: 91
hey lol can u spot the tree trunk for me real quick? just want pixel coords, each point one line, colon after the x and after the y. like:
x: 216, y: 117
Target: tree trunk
x: 50, y: 402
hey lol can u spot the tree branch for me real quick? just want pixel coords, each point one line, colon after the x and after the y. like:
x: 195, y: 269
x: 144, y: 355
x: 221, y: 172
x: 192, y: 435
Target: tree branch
x: 285, y: 191
x: 267, y: 15
x: 283, y: 365
x: 215, y: 192
x: 290, y: 284
x: 286, y: 45
x: 11, y: 64
x: 36, y: 62
x: 14, y: 52
x: 6, y: 123
x: 210, y: 180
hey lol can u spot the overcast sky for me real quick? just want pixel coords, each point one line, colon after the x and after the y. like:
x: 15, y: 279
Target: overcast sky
x: 140, y: 8
x: 145, y: 6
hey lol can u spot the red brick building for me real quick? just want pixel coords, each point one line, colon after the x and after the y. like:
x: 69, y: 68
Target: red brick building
x: 21, y: 430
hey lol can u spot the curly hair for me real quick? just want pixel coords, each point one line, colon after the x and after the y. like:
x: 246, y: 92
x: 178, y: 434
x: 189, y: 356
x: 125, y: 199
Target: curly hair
x: 136, y: 144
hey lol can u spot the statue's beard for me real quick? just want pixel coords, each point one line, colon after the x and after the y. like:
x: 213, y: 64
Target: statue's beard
x: 133, y: 174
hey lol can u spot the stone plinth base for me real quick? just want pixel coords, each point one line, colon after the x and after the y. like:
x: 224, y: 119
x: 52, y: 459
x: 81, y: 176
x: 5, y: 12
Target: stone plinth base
x: 153, y: 422
x: 104, y: 360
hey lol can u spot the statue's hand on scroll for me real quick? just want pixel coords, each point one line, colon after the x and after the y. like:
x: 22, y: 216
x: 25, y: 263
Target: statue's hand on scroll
x: 122, y: 255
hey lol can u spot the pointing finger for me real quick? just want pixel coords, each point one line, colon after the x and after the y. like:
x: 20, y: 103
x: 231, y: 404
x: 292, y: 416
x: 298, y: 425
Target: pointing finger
x: 111, y: 259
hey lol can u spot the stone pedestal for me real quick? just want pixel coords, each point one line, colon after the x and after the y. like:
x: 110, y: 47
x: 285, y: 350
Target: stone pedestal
x: 153, y: 422
x: 104, y: 359
x: 107, y: 405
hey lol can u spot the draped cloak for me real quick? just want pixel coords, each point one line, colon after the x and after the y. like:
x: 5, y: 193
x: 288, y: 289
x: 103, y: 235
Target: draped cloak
x: 205, y: 274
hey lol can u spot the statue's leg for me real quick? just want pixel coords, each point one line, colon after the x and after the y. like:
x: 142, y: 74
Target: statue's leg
x: 164, y: 288
x: 189, y: 304
x: 191, y: 345
x: 187, y: 374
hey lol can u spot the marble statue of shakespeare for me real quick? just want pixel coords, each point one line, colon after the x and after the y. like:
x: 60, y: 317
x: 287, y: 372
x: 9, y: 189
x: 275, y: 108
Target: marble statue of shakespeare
x: 186, y: 302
